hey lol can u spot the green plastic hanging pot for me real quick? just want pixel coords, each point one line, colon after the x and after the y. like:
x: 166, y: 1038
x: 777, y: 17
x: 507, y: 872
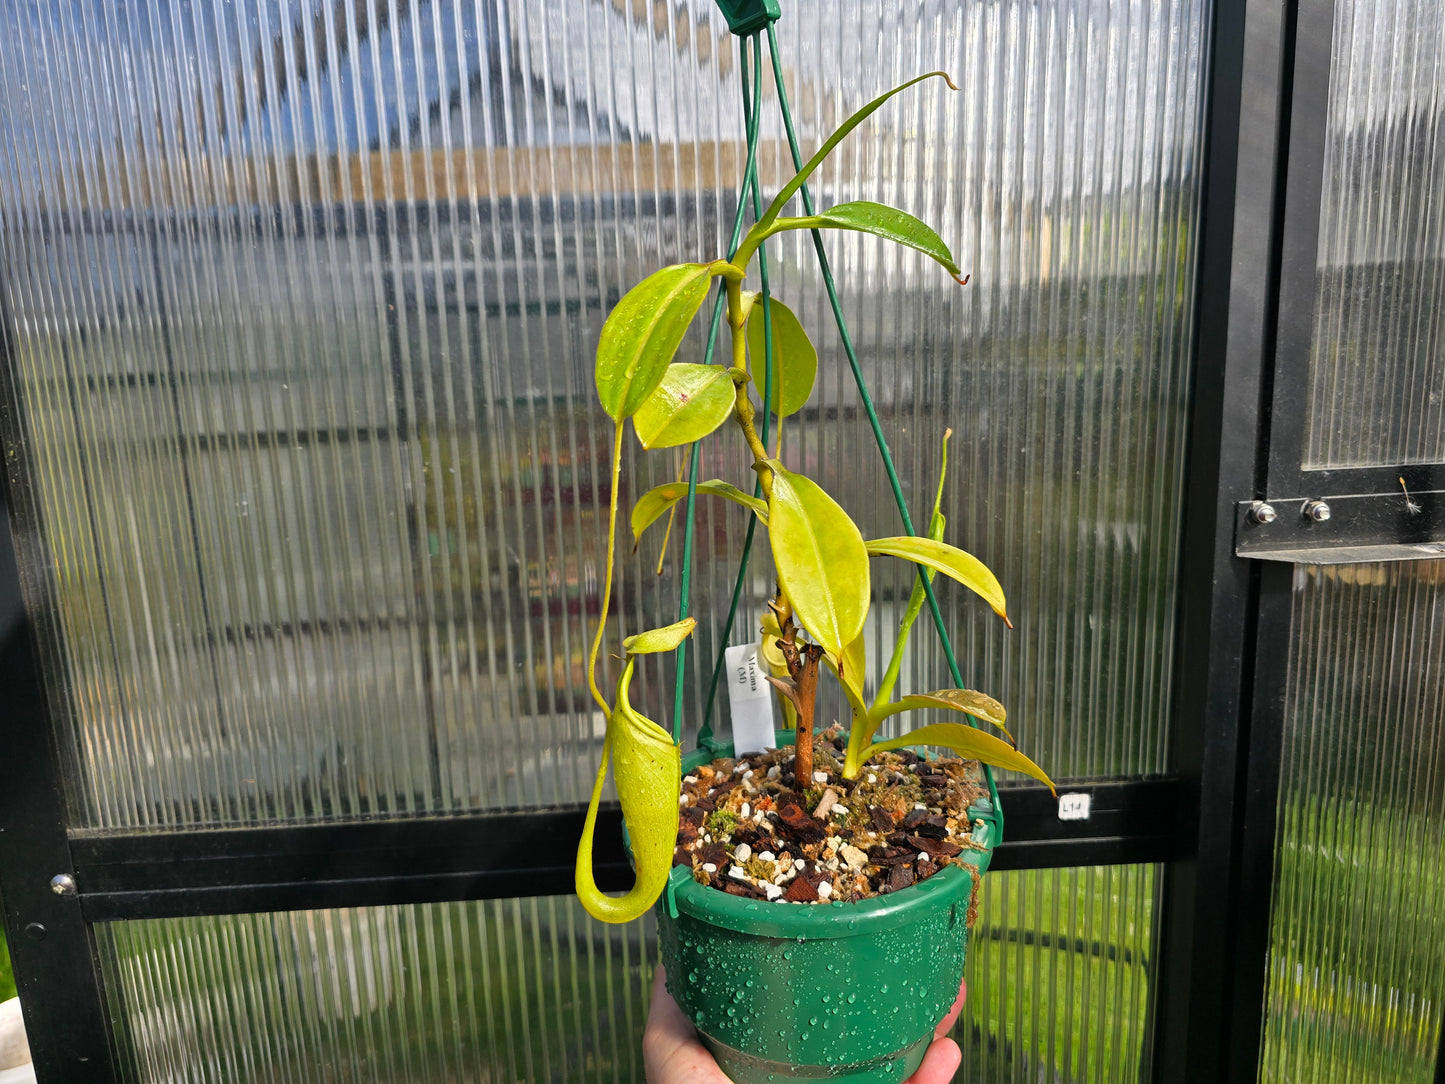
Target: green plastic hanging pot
x: 844, y: 991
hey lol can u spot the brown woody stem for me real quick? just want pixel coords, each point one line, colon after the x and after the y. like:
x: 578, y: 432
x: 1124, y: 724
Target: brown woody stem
x: 802, y: 660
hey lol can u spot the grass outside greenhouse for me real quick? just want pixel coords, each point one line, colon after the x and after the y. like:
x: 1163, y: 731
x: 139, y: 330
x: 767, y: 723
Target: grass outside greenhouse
x: 7, y: 976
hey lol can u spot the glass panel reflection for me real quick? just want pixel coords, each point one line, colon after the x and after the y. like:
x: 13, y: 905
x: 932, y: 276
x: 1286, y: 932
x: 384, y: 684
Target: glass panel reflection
x: 1377, y: 389
x: 302, y: 300
x: 1356, y: 978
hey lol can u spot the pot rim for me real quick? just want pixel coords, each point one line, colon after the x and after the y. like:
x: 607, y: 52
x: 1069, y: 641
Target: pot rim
x: 814, y: 921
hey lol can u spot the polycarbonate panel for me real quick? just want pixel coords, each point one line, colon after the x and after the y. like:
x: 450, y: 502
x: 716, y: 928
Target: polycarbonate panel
x: 1058, y: 977
x: 303, y: 298
x: 1356, y: 979
x: 463, y: 993
x: 535, y: 990
x: 1377, y: 388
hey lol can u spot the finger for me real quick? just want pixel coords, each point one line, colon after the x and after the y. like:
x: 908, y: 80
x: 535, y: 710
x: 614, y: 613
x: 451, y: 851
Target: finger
x: 947, y: 1022
x: 939, y: 1064
x: 665, y: 1015
x: 671, y: 1052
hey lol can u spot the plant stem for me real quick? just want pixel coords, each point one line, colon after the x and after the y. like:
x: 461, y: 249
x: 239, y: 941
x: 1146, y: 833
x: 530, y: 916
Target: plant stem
x: 802, y: 660
x: 802, y: 663
x: 607, y: 585
x: 900, y: 641
x: 743, y: 407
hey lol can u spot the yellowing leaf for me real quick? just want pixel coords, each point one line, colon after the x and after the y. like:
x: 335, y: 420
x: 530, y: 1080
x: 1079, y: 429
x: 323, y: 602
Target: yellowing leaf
x: 850, y: 675
x: 648, y: 767
x: 652, y: 504
x: 689, y: 403
x: 977, y: 704
x: 951, y: 561
x: 820, y: 559
x: 664, y: 639
x: 642, y: 334
x: 967, y: 741
x: 891, y: 224
x: 795, y: 361
x: 777, y: 665
x: 749, y: 298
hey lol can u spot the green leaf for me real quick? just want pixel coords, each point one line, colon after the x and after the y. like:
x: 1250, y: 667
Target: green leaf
x: 967, y: 741
x: 689, y: 403
x: 889, y: 223
x: 647, y: 767
x: 658, y: 500
x: 951, y: 561
x: 795, y: 361
x: 820, y: 559
x: 642, y: 334
x: 664, y: 639
x: 977, y: 704
x: 787, y: 191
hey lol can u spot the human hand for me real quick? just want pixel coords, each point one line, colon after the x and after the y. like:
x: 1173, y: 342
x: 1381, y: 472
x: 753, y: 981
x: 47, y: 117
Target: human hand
x: 673, y: 1054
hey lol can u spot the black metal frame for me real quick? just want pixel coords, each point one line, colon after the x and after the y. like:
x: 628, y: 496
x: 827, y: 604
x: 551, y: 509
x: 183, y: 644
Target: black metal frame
x: 51, y: 944
x: 1202, y: 907
x: 515, y: 853
x: 1210, y: 823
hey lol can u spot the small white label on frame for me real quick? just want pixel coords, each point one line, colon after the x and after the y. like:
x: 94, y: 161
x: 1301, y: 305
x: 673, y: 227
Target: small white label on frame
x: 751, y: 699
x: 1074, y: 807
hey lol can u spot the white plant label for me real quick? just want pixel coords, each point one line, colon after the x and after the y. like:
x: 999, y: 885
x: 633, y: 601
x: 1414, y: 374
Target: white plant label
x: 1074, y: 807
x: 751, y: 699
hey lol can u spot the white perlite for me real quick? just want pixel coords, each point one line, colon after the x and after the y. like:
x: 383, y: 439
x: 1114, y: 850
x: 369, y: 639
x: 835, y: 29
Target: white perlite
x: 773, y: 891
x: 708, y: 867
x: 742, y: 854
x: 746, y: 810
x: 737, y: 873
x: 774, y: 772
x: 825, y: 890
x: 768, y: 856
x: 820, y: 777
